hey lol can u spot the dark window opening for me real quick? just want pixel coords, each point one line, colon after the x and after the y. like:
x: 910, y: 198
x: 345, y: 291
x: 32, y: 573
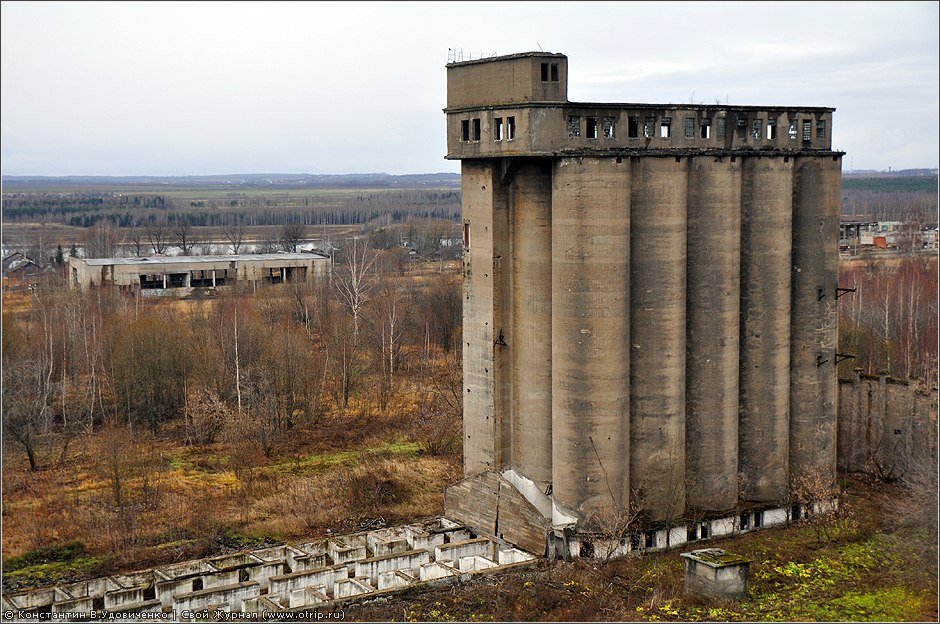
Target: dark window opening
x: 587, y: 549
x: 792, y: 130
x: 150, y: 593
x: 689, y: 128
x: 758, y: 519
x: 706, y: 129
x: 466, y: 235
x: 650, y: 539
x: 197, y: 584
x: 544, y: 72
x: 476, y: 130
x: 591, y: 129
x: 665, y: 127
x: 691, y: 533
x: 465, y: 130
x: 97, y: 604
x: 703, y: 531
x: 498, y: 129
x: 807, y: 131
x: 745, y: 521
x: 609, y: 125
x: 821, y: 129
x: 720, y: 128
x: 634, y: 541
x: 795, y: 513
x: 633, y: 127
x: 554, y: 72
x: 574, y: 126
x: 771, y: 130
x: 742, y: 128
x: 287, y: 569
x: 758, y: 126
x: 648, y: 127
x: 243, y: 576
x: 510, y: 128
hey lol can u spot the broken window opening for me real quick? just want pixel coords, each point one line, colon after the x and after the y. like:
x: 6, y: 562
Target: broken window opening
x: 792, y: 130
x: 476, y: 130
x: 465, y: 130
x: 758, y: 519
x: 703, y: 530
x: 544, y: 72
x: 690, y: 127
x: 807, y: 131
x: 706, y: 129
x: 771, y: 130
x: 574, y: 126
x: 758, y: 126
x: 498, y: 129
x: 720, y: 128
x: 591, y: 129
x: 794, y: 513
x: 197, y: 584
x: 742, y: 128
x: 821, y: 129
x: 745, y: 521
x: 648, y: 127
x: 691, y: 533
x: 243, y: 576
x: 665, y: 127
x: 554, y: 72
x: 609, y: 123
x: 650, y: 539
x: 633, y: 127
x: 466, y: 235
x: 510, y: 128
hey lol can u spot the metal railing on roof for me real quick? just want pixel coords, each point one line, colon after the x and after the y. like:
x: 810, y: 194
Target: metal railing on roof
x: 457, y: 55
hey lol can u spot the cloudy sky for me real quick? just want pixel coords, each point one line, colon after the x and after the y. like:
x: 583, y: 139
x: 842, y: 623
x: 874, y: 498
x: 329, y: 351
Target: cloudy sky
x: 191, y: 88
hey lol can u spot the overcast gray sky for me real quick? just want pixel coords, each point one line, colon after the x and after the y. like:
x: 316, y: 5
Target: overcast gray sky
x: 198, y: 88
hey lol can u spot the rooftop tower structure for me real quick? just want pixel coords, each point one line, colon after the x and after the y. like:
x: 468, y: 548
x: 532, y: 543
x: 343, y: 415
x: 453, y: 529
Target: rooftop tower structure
x: 649, y: 303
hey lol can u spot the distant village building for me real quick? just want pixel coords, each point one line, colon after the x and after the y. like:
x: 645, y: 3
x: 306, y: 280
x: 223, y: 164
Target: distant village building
x: 20, y: 270
x: 180, y: 275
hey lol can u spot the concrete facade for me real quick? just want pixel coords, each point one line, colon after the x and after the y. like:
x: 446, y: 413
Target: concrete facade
x: 180, y: 275
x: 649, y: 300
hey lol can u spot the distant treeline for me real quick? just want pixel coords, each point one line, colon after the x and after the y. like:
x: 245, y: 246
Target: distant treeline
x: 911, y: 184
x: 131, y: 210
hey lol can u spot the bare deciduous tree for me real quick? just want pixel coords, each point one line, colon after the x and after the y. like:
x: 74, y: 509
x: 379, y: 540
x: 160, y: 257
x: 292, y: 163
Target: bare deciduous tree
x: 102, y: 240
x: 354, y: 279
x: 158, y: 235
x: 234, y: 233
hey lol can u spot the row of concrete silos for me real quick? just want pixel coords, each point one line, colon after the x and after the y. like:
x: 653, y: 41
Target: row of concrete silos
x: 667, y: 318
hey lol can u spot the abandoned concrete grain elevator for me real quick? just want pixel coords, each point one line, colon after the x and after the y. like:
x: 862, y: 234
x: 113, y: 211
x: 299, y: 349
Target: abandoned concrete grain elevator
x: 649, y: 307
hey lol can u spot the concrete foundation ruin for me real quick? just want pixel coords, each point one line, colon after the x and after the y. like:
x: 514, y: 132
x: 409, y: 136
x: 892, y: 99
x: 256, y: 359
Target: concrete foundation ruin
x: 279, y: 580
x: 649, y: 306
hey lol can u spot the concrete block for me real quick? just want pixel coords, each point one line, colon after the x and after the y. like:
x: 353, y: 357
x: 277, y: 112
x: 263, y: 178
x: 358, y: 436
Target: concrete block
x: 513, y: 555
x: 387, y: 542
x: 678, y: 535
x: 721, y: 527
x: 307, y: 596
x: 350, y: 587
x: 455, y: 550
x: 393, y: 579
x: 232, y: 595
x: 307, y: 578
x: 716, y: 573
x: 347, y: 550
x: 118, y: 599
x: 436, y: 570
x: 371, y: 568
x: 420, y: 538
x: 73, y: 605
x: 475, y: 563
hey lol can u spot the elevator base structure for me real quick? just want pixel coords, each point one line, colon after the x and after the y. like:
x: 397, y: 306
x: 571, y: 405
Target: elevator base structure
x: 510, y: 509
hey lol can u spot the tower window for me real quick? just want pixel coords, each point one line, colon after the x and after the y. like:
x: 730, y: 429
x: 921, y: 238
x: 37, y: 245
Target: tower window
x: 591, y: 129
x: 771, y: 130
x: 609, y: 123
x: 510, y: 128
x: 792, y: 130
x: 498, y: 129
x: 465, y: 130
x: 633, y: 127
x: 554, y: 72
x: 689, y: 128
x: 758, y: 126
x: 807, y: 131
x: 475, y: 136
x: 574, y: 126
x: 706, y: 129
x: 544, y: 72
x: 742, y: 128
x: 648, y: 127
x: 720, y: 128
x: 821, y: 129
x: 665, y: 126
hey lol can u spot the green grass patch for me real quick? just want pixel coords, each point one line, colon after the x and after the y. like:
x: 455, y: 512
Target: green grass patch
x: 325, y: 461
x: 43, y: 574
x: 49, y: 554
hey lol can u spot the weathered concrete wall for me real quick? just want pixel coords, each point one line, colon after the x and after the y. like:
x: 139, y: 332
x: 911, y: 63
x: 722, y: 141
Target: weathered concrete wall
x: 658, y: 334
x: 814, y: 314
x: 887, y: 427
x: 590, y: 333
x: 713, y: 275
x: 516, y: 78
x: 530, y: 341
x: 763, y: 427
